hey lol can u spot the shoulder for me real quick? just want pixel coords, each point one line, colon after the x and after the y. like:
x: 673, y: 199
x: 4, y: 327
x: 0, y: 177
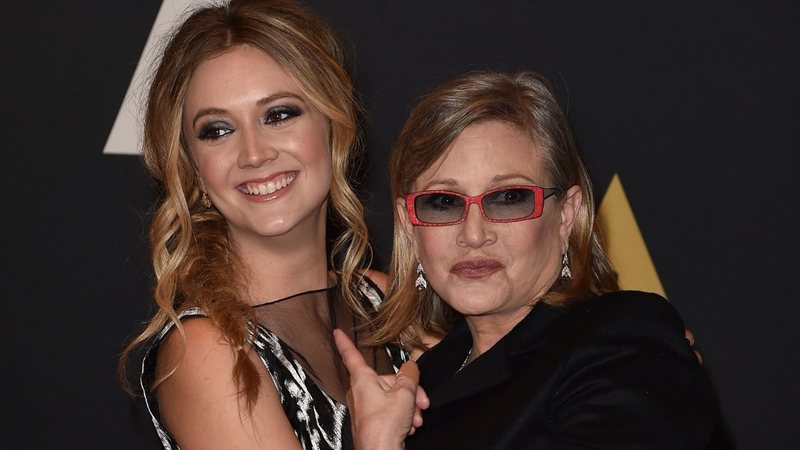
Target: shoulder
x: 200, y: 402
x: 625, y: 351
x: 197, y: 363
x: 628, y: 313
x: 379, y: 279
x: 199, y: 344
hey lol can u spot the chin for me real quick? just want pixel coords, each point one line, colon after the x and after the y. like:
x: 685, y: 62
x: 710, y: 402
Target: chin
x: 476, y: 305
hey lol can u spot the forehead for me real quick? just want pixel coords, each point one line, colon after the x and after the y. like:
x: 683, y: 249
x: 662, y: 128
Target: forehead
x: 240, y: 73
x: 486, y: 155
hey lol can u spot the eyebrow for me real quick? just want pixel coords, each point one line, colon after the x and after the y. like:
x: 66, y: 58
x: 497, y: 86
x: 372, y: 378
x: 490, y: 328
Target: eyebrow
x: 512, y: 176
x: 261, y: 102
x: 451, y: 182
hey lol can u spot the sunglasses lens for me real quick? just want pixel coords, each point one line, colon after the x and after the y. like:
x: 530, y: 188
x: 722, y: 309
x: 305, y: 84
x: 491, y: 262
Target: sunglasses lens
x: 439, y: 208
x: 512, y: 203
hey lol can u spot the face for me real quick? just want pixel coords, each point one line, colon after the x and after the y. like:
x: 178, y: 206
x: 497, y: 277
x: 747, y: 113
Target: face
x: 260, y: 146
x: 490, y: 269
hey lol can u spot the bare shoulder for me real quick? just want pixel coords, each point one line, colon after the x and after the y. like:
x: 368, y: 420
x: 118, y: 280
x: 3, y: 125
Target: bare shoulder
x: 429, y: 340
x: 200, y: 402
x: 202, y: 338
x: 379, y: 278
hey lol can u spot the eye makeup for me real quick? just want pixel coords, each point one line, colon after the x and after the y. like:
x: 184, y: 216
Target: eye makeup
x: 215, y: 130
x: 278, y: 114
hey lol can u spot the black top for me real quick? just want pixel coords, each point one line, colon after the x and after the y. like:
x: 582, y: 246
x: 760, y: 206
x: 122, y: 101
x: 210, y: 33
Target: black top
x: 293, y: 338
x: 611, y: 371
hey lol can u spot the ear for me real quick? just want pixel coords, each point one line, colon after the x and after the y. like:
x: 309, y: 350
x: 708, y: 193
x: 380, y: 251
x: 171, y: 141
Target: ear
x: 405, y: 221
x: 569, y: 212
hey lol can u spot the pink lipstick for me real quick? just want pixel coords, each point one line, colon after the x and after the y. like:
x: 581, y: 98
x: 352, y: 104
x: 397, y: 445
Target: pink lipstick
x: 476, y: 268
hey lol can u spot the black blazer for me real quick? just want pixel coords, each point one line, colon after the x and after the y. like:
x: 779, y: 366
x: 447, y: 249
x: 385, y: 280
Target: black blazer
x: 611, y: 371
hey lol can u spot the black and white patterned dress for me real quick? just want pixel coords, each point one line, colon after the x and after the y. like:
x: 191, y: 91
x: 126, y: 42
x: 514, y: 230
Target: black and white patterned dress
x: 319, y: 421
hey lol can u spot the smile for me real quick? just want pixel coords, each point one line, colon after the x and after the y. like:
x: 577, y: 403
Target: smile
x: 268, y: 187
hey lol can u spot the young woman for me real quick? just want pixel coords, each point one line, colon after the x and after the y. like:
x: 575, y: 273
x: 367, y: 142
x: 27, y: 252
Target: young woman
x: 250, y: 131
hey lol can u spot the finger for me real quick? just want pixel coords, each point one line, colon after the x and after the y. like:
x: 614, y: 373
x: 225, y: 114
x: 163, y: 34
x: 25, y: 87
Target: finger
x: 689, y: 336
x: 699, y: 357
x: 422, y: 400
x: 410, y: 372
x: 352, y: 358
x: 417, y: 420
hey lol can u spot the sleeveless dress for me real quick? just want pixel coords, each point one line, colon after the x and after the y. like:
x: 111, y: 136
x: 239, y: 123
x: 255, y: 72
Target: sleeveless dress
x: 287, y: 347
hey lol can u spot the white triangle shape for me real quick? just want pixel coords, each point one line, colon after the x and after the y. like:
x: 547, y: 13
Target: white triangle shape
x: 125, y: 136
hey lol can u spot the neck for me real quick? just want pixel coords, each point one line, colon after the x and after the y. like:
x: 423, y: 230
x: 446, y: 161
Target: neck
x: 280, y: 266
x: 487, y: 330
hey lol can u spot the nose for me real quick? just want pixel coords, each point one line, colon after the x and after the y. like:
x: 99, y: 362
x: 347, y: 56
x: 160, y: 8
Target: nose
x: 475, y: 231
x: 255, y: 150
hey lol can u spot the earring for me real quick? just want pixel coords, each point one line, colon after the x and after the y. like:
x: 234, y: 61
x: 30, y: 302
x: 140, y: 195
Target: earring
x: 565, y: 270
x: 204, y: 200
x: 421, y: 282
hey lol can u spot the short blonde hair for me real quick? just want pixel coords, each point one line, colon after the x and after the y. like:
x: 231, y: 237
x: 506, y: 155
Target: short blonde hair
x: 522, y: 100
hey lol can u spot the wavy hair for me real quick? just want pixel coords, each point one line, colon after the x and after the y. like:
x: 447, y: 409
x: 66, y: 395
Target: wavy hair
x: 192, y: 253
x: 525, y: 101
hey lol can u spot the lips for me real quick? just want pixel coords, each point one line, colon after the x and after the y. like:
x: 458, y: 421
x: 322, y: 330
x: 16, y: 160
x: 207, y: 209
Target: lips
x: 476, y: 268
x: 269, y: 187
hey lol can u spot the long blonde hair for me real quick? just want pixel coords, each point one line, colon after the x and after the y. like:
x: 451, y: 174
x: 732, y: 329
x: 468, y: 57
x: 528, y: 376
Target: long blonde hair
x: 524, y: 101
x: 192, y: 252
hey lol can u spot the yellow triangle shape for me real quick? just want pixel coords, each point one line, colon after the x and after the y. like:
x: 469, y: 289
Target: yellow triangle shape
x: 625, y: 244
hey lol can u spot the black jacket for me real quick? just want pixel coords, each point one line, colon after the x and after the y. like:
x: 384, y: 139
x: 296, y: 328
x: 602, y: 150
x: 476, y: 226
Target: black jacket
x: 611, y: 371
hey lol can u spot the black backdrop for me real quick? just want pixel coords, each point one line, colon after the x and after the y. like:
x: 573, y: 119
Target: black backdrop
x: 694, y: 104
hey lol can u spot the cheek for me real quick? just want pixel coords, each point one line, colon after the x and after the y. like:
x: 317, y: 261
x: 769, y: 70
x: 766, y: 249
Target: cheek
x: 314, y: 150
x: 434, y: 248
x: 212, y: 170
x: 535, y: 250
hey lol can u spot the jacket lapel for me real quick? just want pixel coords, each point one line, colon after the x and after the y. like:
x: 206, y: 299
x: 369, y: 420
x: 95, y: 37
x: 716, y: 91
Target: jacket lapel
x: 445, y: 384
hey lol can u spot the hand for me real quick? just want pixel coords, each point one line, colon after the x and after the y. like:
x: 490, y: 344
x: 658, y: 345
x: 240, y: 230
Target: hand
x: 690, y: 337
x: 383, y: 409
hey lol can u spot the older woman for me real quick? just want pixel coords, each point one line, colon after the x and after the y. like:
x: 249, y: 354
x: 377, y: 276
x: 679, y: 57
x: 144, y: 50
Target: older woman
x: 496, y: 246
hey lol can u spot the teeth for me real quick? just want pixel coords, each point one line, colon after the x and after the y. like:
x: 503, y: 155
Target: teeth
x: 268, y: 187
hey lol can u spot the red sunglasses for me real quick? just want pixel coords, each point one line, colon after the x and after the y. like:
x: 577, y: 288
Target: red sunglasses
x: 438, y: 208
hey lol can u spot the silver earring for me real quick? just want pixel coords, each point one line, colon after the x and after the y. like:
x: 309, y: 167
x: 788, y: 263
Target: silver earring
x: 565, y: 270
x: 204, y: 200
x: 421, y: 282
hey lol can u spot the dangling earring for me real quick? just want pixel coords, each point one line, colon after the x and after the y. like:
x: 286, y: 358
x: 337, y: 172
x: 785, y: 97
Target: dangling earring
x: 421, y: 282
x: 565, y: 270
x: 204, y: 200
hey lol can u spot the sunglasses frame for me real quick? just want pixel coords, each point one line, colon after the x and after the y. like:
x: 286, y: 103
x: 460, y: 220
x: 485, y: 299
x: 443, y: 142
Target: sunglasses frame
x: 539, y: 195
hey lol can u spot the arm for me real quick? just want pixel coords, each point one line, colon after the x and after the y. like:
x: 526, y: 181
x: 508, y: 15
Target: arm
x: 199, y: 402
x: 632, y: 381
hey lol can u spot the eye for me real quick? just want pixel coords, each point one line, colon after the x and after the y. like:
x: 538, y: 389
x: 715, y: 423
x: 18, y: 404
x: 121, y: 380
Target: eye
x: 441, y: 201
x: 510, y: 197
x: 280, y: 114
x: 215, y: 130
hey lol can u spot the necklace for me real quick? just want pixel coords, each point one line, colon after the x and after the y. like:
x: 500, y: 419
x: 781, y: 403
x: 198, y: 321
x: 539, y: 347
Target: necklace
x: 466, y: 360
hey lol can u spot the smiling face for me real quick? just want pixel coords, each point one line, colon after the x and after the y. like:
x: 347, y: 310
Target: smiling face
x: 485, y: 269
x: 260, y: 145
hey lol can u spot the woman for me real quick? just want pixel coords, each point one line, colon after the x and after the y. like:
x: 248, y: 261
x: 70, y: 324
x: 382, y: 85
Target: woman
x: 496, y: 246
x: 250, y: 130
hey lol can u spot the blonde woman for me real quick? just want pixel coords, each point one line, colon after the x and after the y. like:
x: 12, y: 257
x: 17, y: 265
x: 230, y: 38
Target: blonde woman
x: 250, y: 130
